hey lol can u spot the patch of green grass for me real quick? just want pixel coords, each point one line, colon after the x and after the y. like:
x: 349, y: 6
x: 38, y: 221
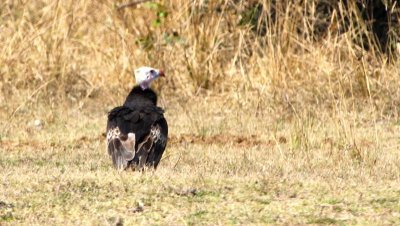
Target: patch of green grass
x: 332, y: 201
x: 386, y: 202
x: 7, y: 217
x: 323, y: 220
x: 197, y: 216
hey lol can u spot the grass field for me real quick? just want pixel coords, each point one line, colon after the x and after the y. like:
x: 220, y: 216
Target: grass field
x: 280, y: 129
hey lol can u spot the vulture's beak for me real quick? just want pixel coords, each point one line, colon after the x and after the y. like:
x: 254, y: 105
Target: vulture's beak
x: 161, y: 73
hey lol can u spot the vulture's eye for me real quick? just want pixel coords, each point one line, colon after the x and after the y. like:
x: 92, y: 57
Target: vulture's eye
x: 152, y: 71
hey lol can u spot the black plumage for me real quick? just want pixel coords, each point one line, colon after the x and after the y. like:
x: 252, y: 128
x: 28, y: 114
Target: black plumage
x: 137, y: 131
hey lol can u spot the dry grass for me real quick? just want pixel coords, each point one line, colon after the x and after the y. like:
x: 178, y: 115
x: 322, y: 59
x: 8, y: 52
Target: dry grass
x: 277, y: 128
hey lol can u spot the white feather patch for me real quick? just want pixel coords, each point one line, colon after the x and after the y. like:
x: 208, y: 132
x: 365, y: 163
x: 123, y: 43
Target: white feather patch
x: 112, y: 134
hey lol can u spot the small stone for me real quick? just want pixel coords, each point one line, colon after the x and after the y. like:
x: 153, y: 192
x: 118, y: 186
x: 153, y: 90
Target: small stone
x: 38, y: 123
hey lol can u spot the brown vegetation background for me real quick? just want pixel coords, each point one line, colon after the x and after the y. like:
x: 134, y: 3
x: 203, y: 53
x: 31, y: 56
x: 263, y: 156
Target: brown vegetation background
x: 278, y: 104
x: 310, y: 53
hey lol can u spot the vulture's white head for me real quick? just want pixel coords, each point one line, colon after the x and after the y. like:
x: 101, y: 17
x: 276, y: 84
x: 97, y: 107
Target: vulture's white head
x: 145, y: 75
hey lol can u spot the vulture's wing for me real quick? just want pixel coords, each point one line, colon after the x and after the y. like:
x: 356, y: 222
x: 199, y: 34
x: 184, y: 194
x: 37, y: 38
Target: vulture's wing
x: 150, y: 150
x: 134, y: 133
x: 121, y: 139
x: 160, y: 142
x: 121, y: 148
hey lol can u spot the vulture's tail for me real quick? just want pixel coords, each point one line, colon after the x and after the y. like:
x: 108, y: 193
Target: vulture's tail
x: 122, y: 149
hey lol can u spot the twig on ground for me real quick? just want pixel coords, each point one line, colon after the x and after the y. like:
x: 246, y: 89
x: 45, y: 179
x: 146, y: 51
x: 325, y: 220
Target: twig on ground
x: 180, y: 155
x: 166, y: 156
x: 131, y: 4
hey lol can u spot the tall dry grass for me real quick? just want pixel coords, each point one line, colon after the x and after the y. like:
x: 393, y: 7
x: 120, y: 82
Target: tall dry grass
x: 288, y: 61
x: 279, y: 112
x: 85, y: 46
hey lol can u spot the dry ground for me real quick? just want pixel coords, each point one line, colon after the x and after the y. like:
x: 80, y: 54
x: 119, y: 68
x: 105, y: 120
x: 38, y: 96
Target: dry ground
x: 292, y: 172
x: 275, y: 128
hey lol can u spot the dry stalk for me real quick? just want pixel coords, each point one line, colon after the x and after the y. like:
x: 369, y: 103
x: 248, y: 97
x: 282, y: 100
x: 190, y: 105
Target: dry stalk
x: 131, y: 4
